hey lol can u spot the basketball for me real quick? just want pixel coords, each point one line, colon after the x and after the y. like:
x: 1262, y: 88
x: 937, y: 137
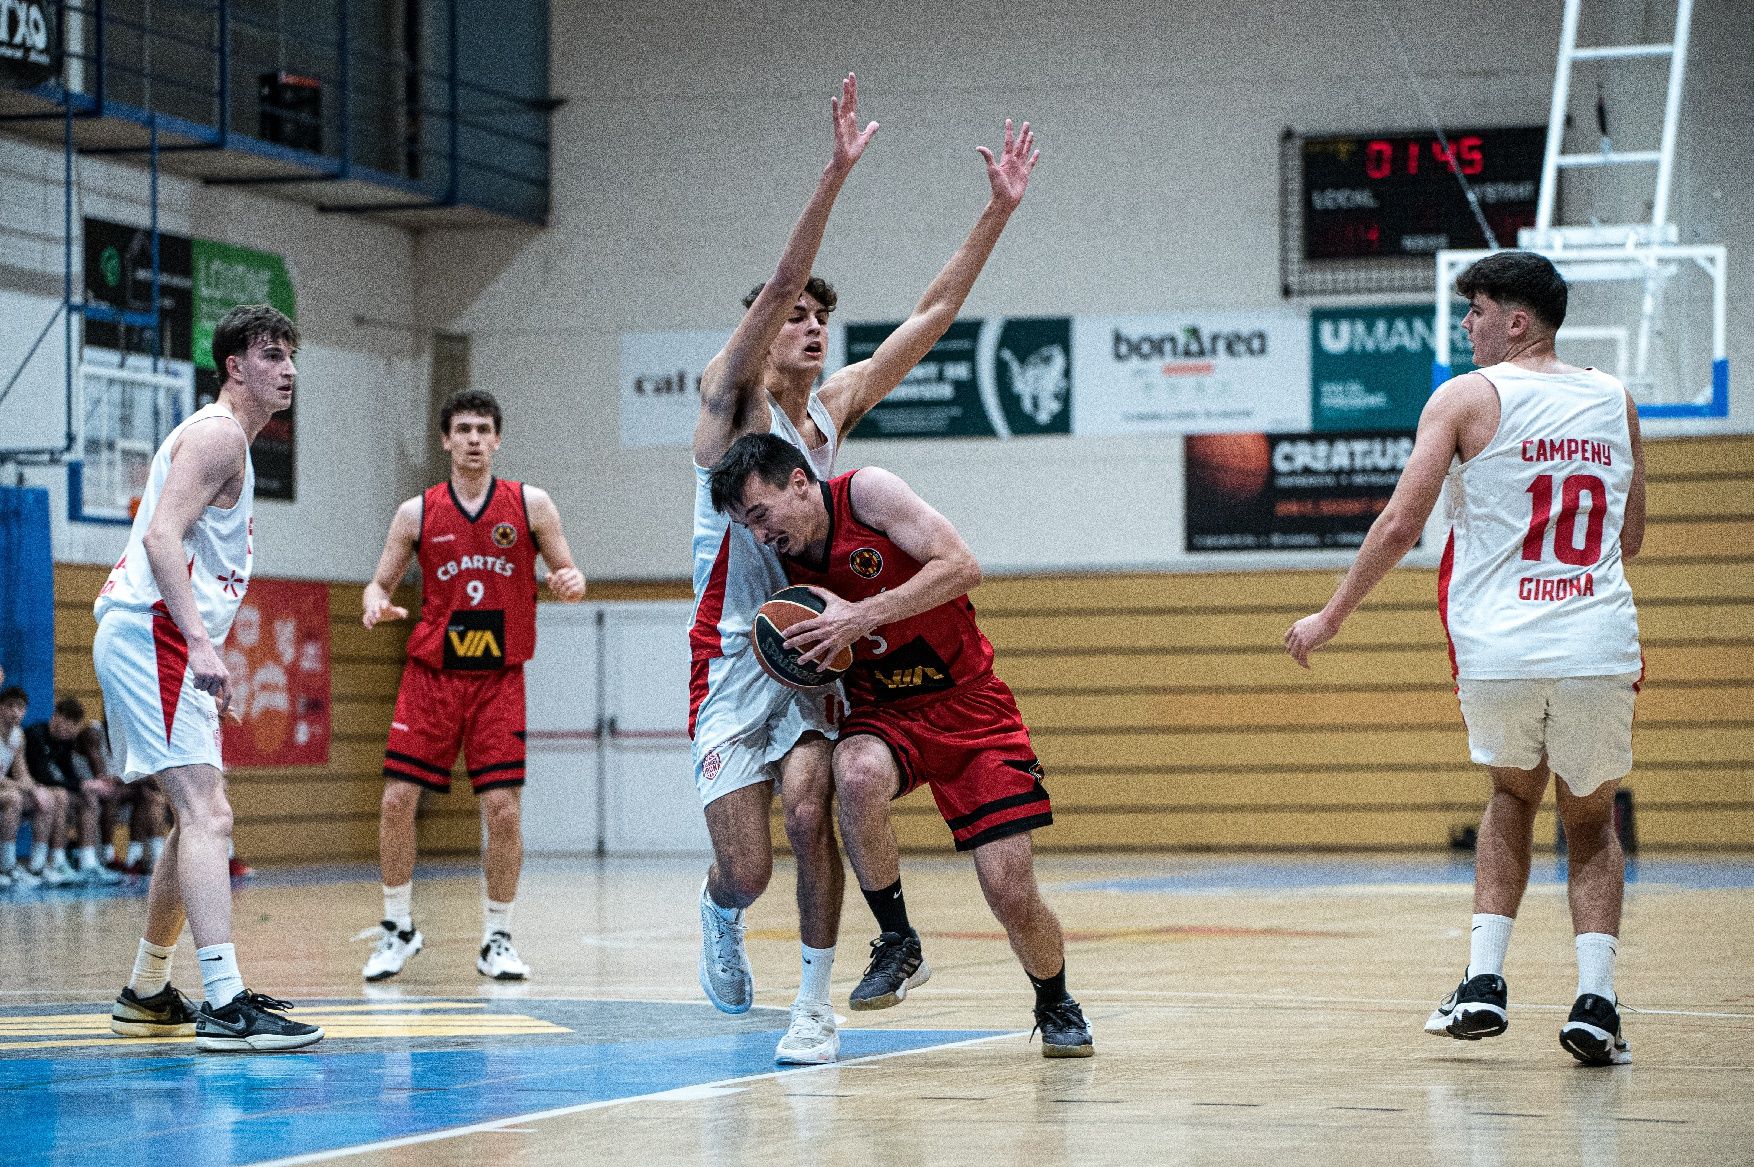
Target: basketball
x: 787, y: 607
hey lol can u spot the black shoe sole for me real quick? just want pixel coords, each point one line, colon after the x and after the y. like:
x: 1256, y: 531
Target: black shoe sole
x: 890, y: 1000
x: 1586, y: 1047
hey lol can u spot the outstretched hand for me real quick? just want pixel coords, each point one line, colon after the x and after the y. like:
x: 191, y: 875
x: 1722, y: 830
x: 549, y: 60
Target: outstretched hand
x: 849, y: 140
x: 1009, y: 172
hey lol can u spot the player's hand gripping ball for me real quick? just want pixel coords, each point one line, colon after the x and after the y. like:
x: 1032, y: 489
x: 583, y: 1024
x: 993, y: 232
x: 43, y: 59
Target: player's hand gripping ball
x: 787, y: 607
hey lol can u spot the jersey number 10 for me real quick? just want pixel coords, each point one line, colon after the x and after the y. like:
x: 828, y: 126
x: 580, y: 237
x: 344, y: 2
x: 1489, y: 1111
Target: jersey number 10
x: 1566, y: 546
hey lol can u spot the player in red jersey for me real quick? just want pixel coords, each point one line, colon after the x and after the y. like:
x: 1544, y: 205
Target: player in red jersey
x: 926, y: 708
x: 477, y: 537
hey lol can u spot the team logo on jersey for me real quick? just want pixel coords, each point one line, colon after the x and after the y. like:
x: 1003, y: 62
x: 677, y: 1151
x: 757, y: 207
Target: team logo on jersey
x: 475, y: 639
x: 504, y: 535
x: 866, y: 562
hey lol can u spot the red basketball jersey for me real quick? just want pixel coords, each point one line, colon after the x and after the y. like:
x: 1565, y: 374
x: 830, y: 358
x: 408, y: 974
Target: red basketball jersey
x: 478, y: 580
x: 908, y: 660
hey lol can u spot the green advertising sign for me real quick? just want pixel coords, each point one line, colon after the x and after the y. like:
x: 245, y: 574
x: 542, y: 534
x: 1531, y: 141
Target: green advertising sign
x: 1370, y: 367
x: 226, y: 276
x: 1006, y: 377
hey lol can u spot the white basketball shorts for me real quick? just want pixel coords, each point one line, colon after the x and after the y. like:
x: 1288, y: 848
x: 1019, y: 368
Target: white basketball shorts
x: 745, y: 722
x: 1583, y: 726
x: 157, y: 718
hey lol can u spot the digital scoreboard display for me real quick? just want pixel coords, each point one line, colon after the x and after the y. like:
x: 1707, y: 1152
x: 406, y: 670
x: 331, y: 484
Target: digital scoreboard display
x: 1383, y: 195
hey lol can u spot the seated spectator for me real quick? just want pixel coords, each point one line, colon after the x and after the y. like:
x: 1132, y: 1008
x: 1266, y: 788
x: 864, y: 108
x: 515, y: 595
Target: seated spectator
x: 50, y: 749
x: 22, y: 799
x: 142, y: 805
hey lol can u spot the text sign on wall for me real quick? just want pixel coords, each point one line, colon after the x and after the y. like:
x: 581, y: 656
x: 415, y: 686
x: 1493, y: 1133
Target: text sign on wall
x: 1370, y: 367
x: 278, y: 656
x: 660, y: 384
x: 1006, y: 377
x: 1301, y: 491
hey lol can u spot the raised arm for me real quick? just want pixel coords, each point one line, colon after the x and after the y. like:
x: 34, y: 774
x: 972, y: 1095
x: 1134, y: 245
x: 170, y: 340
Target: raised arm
x: 948, y: 568
x: 565, y: 580
x: 730, y: 386
x: 1397, y: 529
x: 399, y: 547
x: 1632, y: 523
x: 853, y: 391
x: 209, y: 457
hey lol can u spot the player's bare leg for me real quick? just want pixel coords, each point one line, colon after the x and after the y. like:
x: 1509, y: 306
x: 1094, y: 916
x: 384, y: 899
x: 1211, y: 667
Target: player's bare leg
x: 866, y: 778
x: 807, y: 793
x: 164, y: 903
x: 398, y: 940
x: 1596, y: 885
x: 1006, y: 868
x: 1479, y: 1006
x: 501, y: 810
x: 741, y: 868
x: 199, y: 871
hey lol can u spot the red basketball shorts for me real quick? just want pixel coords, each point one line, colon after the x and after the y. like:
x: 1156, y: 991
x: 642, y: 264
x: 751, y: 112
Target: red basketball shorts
x: 971, y: 746
x: 438, y: 712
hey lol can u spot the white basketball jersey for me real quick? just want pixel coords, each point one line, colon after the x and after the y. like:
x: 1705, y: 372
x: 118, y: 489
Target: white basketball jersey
x: 218, y: 549
x: 733, y: 572
x: 1531, y: 584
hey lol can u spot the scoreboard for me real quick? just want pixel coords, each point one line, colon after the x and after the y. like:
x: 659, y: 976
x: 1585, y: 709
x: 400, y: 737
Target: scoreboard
x: 1383, y: 195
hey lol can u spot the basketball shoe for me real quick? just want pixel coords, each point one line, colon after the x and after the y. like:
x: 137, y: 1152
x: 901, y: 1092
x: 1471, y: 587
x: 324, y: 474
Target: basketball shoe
x: 812, y: 1039
x: 500, y: 960
x: 251, y: 1022
x: 725, y: 977
x: 1475, y: 1010
x: 395, y: 948
x: 23, y: 879
x: 897, y: 965
x: 1592, y: 1033
x: 1064, y: 1032
x: 166, y: 1013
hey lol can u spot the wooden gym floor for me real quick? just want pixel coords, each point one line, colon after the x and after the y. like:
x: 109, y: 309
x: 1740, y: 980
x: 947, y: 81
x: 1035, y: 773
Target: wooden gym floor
x: 1247, y: 1009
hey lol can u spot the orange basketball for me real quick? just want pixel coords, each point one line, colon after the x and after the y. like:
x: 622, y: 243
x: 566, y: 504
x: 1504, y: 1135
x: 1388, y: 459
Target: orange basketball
x: 1235, y: 466
x: 787, y: 607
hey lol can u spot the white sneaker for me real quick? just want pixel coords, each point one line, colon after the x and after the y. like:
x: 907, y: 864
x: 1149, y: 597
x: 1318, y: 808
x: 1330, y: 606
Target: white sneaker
x: 724, y: 965
x: 812, y: 1039
x: 99, y: 875
x: 5, y: 881
x: 57, y: 873
x: 499, y: 959
x: 24, y: 880
x: 393, y: 950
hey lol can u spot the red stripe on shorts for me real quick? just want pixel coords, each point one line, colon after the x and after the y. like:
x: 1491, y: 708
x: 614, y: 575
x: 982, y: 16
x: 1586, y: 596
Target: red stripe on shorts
x: 173, y: 663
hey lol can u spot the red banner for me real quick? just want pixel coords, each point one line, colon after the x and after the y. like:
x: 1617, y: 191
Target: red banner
x: 278, y: 657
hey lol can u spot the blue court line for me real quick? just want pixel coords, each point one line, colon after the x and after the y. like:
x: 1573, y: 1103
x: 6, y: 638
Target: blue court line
x: 1296, y: 875
x: 225, y: 1110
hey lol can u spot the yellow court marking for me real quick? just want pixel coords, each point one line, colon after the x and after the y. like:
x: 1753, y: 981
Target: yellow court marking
x: 340, y: 1021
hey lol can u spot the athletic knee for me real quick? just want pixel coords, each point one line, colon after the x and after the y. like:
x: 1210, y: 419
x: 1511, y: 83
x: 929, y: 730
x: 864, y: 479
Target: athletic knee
x: 502, y: 816
x: 401, y: 800
x: 808, y: 826
x: 864, y: 777
x: 744, y: 877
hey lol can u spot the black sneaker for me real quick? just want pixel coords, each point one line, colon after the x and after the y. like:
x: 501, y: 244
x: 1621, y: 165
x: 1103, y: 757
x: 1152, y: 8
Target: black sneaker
x: 250, y: 1022
x: 1064, y: 1032
x: 1475, y: 1010
x: 166, y: 1013
x: 896, y: 966
x: 1592, y: 1033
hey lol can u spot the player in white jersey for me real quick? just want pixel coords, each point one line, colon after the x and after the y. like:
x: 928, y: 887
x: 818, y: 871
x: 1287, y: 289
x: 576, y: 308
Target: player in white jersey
x: 1547, y: 500
x: 162, y: 618
x: 749, y: 731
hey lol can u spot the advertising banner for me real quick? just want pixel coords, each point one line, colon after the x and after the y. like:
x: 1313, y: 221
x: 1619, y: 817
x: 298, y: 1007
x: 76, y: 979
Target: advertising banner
x: 224, y: 276
x: 1279, y: 491
x: 660, y: 384
x: 1370, y: 367
x: 278, y: 657
x: 1007, y: 377
x: 118, y: 275
x: 1194, y: 372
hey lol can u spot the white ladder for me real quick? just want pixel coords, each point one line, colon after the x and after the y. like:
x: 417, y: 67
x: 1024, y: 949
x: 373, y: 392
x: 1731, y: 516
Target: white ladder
x: 1546, y: 235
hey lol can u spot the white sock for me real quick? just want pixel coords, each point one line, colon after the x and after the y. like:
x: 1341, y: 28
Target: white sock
x: 220, y: 979
x: 39, y: 855
x: 8, y: 855
x: 152, y: 968
x: 399, y: 905
x: 59, y: 858
x: 813, y: 984
x: 109, y: 852
x: 1595, y: 964
x: 495, y: 917
x: 87, y: 858
x: 157, y: 849
x: 136, y: 851
x: 1488, y: 941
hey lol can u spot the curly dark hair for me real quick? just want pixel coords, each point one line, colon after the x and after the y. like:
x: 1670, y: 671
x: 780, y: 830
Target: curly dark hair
x: 478, y: 401
x: 818, y: 287
x: 1523, y: 278
x: 767, y: 455
x: 243, y: 326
